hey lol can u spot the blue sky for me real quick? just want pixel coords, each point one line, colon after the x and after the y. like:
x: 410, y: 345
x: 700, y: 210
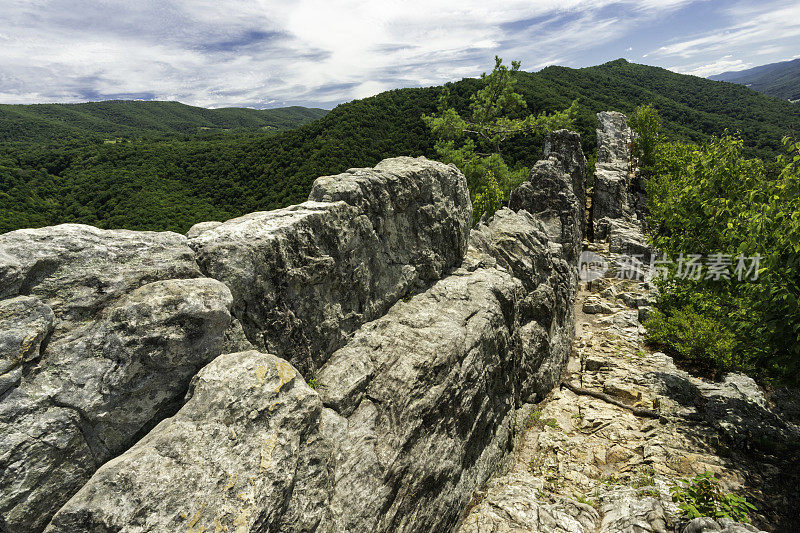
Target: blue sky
x: 270, y: 53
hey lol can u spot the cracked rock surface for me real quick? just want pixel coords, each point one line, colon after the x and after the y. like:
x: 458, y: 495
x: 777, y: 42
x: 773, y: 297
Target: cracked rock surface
x: 101, y: 332
x: 579, y: 450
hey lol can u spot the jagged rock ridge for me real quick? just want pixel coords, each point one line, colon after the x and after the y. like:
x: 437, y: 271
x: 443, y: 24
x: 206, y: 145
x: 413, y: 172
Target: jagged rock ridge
x: 601, y: 453
x: 618, y: 199
x: 139, y: 394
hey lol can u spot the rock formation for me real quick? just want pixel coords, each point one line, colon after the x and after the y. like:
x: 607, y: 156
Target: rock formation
x: 356, y: 362
x: 618, y: 204
x: 365, y: 361
x: 601, y: 453
x: 102, y: 331
x: 305, y: 277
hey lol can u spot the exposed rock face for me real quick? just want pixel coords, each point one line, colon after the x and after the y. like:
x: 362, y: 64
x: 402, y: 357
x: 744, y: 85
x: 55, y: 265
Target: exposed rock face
x: 424, y: 403
x: 423, y: 344
x: 100, y: 337
x: 555, y: 191
x: 516, y: 505
x: 200, y: 227
x: 305, y: 277
x: 623, y: 237
x: 612, y: 186
x: 618, y: 203
x: 425, y: 400
x: 243, y: 454
x: 25, y: 323
x: 409, y: 415
x: 613, y: 139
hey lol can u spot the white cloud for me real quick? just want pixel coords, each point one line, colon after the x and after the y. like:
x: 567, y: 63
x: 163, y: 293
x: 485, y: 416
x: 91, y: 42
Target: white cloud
x: 766, y: 28
x: 724, y: 64
x: 258, y: 52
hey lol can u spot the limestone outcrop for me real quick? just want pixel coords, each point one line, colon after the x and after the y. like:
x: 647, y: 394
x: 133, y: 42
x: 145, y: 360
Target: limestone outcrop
x: 305, y: 277
x: 618, y: 201
x: 101, y: 333
x: 356, y: 362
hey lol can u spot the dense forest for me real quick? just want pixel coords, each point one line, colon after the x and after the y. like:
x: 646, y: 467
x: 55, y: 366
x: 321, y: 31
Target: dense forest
x: 140, y: 182
x: 781, y: 80
x: 114, y: 119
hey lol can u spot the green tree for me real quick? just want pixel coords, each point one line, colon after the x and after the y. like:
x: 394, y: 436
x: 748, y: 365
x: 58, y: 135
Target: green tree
x: 646, y: 123
x: 710, y: 199
x: 475, y: 145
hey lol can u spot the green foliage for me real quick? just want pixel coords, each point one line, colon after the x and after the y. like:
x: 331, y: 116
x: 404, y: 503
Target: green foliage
x: 535, y: 420
x: 475, y: 145
x: 119, y: 120
x: 181, y: 174
x: 702, y: 496
x: 487, y: 200
x: 699, y: 338
x: 646, y: 123
x: 644, y: 478
x: 710, y: 199
x: 584, y: 500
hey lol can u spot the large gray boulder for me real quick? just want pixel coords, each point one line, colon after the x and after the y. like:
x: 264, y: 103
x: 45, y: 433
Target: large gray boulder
x: 243, y: 454
x: 99, y: 341
x: 612, y: 196
x: 555, y: 191
x: 424, y: 399
x: 305, y: 277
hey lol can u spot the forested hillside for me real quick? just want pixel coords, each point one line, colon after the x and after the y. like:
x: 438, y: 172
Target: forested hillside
x: 171, y: 184
x: 119, y: 118
x: 781, y: 80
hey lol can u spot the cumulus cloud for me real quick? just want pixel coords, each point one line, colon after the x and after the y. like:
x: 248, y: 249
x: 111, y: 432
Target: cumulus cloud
x: 281, y: 52
x: 725, y: 64
x: 769, y: 28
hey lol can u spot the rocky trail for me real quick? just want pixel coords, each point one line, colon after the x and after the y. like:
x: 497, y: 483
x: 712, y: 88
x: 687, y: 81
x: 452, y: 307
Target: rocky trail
x: 369, y: 361
x: 584, y: 463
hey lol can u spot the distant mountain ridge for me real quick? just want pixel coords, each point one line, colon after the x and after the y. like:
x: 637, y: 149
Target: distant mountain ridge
x: 170, y: 184
x: 776, y: 79
x: 126, y: 119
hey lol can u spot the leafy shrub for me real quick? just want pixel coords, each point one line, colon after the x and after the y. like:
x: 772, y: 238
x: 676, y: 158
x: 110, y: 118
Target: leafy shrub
x: 488, y: 200
x: 695, y: 337
x: 702, y: 496
x: 710, y: 200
